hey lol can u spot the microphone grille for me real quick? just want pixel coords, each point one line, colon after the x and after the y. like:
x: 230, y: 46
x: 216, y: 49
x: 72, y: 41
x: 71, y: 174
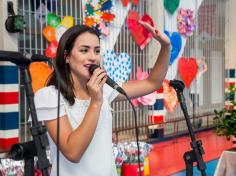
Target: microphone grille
x: 92, y: 67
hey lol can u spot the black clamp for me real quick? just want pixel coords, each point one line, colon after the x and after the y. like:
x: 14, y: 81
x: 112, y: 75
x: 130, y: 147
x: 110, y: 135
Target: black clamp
x: 14, y: 23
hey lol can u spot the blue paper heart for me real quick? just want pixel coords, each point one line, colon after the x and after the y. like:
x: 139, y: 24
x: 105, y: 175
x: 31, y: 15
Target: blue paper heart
x: 176, y: 44
x: 118, y: 68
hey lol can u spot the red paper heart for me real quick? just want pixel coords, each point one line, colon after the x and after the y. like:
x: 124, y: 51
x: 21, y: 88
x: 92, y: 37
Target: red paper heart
x: 51, y: 50
x: 126, y: 2
x: 188, y: 70
x: 140, y: 34
x: 170, y: 97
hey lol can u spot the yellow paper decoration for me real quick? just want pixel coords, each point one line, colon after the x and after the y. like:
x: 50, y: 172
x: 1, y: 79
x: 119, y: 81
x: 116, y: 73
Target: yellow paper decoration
x: 67, y: 21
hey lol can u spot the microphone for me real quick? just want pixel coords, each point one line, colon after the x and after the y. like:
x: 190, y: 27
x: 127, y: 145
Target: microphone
x: 109, y: 81
x: 20, y: 59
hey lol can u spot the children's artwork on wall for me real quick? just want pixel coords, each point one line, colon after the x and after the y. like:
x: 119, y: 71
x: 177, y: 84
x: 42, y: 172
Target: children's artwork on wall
x: 149, y: 99
x: 171, y: 5
x: 140, y: 34
x: 118, y: 67
x: 170, y: 97
x: 126, y: 2
x: 176, y: 44
x: 99, y: 16
x: 186, y: 24
x: 188, y: 69
x: 54, y: 30
x: 39, y: 72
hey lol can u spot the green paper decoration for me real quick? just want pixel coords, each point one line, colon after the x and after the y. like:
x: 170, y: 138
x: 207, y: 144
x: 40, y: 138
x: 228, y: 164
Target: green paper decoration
x: 90, y: 9
x: 171, y: 5
x: 53, y: 20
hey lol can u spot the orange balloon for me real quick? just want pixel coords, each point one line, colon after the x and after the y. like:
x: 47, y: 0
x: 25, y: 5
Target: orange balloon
x: 39, y: 72
x: 49, y: 33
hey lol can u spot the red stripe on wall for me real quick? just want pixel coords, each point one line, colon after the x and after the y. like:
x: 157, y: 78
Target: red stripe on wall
x: 156, y: 119
x: 5, y: 144
x: 9, y: 97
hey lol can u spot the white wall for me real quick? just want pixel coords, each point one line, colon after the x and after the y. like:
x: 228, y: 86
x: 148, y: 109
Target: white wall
x: 230, y: 35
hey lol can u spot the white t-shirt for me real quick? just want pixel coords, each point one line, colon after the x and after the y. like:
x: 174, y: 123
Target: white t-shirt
x: 98, y: 159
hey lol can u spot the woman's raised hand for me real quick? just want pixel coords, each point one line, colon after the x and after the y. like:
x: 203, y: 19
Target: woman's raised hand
x: 157, y: 34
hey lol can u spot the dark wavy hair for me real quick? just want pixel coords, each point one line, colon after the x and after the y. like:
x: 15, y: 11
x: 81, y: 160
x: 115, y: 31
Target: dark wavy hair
x: 65, y: 46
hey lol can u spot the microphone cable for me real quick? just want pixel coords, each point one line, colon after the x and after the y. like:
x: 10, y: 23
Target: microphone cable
x: 40, y: 58
x: 136, y: 130
x: 58, y: 117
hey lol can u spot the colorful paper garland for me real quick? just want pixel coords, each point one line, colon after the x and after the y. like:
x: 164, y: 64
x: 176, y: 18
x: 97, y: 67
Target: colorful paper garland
x: 100, y: 16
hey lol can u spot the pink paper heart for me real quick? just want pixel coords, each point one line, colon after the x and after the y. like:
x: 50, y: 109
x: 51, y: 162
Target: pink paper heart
x: 149, y: 99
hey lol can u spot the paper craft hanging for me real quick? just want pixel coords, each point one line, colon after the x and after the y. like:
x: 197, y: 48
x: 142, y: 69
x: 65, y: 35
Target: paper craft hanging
x: 171, y: 5
x: 149, y: 99
x: 49, y: 33
x: 186, y: 24
x: 51, y: 50
x: 176, y: 44
x: 170, y: 97
x: 102, y: 13
x: 140, y: 34
x: 53, y: 32
x: 118, y: 67
x: 188, y: 69
x: 39, y: 72
x: 126, y: 2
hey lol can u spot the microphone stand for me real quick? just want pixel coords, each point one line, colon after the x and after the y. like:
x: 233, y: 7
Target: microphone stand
x: 38, y: 146
x: 194, y: 155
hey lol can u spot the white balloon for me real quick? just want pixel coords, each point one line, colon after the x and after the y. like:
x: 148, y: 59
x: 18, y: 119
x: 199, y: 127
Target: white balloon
x: 59, y: 32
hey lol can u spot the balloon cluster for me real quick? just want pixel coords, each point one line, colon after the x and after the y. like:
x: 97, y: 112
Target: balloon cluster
x: 128, y: 152
x: 100, y: 16
x: 186, y: 24
x: 54, y: 30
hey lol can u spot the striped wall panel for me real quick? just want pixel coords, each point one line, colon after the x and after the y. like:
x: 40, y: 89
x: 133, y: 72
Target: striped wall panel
x: 156, y: 113
x: 9, y: 109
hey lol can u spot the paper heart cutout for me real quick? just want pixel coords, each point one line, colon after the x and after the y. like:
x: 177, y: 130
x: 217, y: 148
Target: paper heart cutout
x: 170, y: 97
x: 140, y: 34
x: 188, y: 69
x: 39, y: 72
x: 176, y: 44
x: 171, y: 5
x: 51, y: 50
x: 118, y: 68
x: 126, y: 2
x: 148, y: 99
